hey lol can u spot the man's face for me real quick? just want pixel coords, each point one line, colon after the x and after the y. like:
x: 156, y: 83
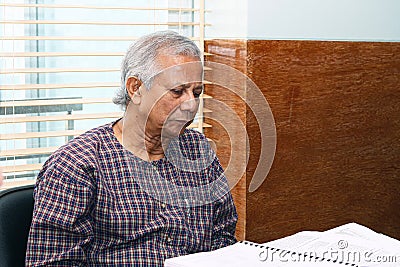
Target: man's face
x: 173, y: 100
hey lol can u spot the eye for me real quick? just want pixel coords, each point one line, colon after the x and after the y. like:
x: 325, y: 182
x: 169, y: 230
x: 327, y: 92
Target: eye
x: 176, y: 91
x: 197, y: 91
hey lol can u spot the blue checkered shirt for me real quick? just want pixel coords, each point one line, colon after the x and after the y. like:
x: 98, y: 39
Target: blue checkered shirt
x: 96, y: 204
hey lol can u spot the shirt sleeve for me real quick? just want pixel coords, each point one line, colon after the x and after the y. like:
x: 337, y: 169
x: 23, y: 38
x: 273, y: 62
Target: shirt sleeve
x: 61, y: 228
x: 225, y: 216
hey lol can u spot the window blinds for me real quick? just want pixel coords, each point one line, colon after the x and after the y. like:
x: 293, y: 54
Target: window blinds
x: 59, y: 68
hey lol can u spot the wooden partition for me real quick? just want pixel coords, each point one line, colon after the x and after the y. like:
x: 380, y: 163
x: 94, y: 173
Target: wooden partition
x: 233, y: 54
x: 337, y: 112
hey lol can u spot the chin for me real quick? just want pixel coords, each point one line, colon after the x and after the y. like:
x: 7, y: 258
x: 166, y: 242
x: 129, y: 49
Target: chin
x: 175, y: 128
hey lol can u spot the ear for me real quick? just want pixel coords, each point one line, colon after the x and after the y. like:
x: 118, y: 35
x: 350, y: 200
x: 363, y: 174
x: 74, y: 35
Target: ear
x: 132, y: 86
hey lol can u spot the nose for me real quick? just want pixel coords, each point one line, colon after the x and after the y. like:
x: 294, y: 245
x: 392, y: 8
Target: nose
x: 190, y: 103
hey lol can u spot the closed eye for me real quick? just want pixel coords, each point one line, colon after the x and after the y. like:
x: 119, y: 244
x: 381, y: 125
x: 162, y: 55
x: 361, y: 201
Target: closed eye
x: 176, y: 91
x: 197, y: 91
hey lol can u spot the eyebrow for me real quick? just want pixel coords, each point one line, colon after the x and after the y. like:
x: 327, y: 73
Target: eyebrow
x: 187, y: 85
x: 183, y: 86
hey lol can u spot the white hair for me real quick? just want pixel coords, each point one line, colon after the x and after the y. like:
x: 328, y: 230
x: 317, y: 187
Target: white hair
x: 141, y: 61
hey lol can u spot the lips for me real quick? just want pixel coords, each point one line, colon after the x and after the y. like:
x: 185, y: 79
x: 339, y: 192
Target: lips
x: 183, y: 123
x: 181, y: 119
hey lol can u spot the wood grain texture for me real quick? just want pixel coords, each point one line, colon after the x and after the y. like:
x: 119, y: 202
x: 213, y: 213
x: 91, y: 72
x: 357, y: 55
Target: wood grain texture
x: 336, y: 107
x: 231, y: 53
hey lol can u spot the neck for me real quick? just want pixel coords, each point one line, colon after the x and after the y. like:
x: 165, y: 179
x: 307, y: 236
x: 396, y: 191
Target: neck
x: 144, y: 144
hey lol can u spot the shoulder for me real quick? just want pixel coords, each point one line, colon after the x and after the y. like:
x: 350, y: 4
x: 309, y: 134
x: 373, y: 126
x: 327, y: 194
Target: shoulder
x: 87, y: 143
x: 79, y: 155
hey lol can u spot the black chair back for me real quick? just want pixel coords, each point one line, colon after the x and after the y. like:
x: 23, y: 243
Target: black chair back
x: 16, y: 207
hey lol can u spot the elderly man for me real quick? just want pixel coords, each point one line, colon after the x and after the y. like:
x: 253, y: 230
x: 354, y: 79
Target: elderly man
x: 141, y: 189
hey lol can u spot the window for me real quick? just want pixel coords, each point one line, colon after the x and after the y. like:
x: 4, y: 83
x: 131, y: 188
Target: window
x: 59, y: 68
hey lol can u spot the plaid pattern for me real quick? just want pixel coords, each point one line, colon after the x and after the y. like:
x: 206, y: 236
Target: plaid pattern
x: 92, y: 210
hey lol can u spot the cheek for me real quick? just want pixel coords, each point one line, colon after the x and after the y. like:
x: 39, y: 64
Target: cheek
x: 163, y: 108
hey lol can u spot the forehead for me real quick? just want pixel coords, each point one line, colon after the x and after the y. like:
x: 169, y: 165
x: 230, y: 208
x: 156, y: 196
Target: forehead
x: 179, y: 70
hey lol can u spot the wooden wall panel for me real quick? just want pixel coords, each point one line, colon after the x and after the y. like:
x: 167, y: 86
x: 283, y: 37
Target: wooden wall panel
x: 336, y: 107
x: 233, y: 54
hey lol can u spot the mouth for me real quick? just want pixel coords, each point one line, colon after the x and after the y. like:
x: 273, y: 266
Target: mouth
x: 178, y: 125
x: 181, y: 119
x: 180, y: 122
